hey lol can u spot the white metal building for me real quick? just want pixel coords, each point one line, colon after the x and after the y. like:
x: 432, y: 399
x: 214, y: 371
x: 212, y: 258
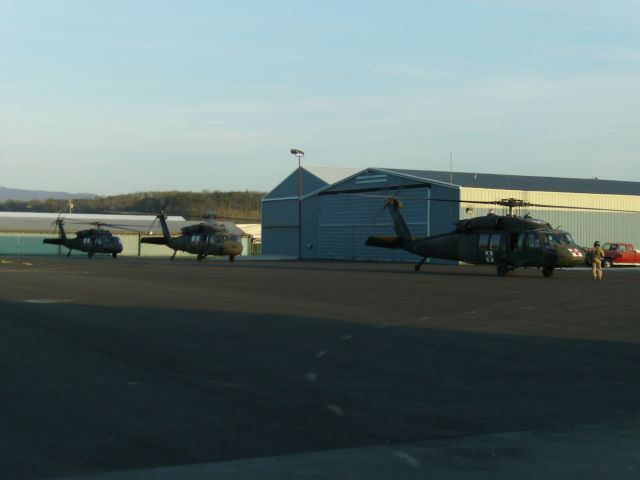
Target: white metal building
x: 337, y: 218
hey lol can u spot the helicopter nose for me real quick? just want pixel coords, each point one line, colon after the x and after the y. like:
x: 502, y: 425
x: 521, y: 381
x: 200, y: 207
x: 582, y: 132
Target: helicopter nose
x: 232, y: 247
x: 578, y: 256
x: 570, y: 257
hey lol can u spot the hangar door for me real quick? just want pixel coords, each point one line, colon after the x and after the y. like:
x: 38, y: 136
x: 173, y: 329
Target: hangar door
x: 347, y: 220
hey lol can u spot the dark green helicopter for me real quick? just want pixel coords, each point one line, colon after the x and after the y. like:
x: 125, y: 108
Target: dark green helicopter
x: 202, y: 240
x: 91, y: 241
x: 506, y: 241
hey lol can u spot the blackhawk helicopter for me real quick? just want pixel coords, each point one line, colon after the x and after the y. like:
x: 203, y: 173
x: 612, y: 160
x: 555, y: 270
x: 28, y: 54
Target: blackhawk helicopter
x: 91, y: 241
x: 506, y: 241
x: 202, y: 240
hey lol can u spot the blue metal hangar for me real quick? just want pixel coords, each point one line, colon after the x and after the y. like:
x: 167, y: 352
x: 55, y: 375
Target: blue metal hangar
x: 338, y: 209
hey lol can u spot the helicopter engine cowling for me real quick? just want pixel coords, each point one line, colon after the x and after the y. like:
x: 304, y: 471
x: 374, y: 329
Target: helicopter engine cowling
x: 492, y: 222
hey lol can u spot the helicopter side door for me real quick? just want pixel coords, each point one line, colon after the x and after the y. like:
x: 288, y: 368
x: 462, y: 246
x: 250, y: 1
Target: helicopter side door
x: 89, y: 243
x: 532, y: 251
x: 489, y: 248
x: 198, y: 243
x: 514, y: 248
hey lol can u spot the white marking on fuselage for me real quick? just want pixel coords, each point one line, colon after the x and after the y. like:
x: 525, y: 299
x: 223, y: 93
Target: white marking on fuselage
x: 336, y: 409
x: 408, y: 459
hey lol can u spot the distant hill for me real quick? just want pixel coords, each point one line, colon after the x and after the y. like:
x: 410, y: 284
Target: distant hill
x: 26, y: 195
x: 240, y: 206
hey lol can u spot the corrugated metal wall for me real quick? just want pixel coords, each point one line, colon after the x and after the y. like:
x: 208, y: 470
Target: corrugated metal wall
x: 586, y: 226
x: 346, y: 221
x: 280, y: 233
x: 338, y: 220
x: 26, y: 244
x: 280, y: 227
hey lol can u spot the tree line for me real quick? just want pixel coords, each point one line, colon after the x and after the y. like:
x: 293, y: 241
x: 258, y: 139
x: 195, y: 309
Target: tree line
x: 243, y: 206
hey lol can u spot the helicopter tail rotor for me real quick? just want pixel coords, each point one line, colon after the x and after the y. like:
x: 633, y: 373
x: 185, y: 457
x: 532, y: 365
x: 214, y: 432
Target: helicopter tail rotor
x: 401, y: 227
x: 59, y: 226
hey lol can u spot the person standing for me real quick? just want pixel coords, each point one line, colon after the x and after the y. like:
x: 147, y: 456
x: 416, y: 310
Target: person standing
x: 598, y: 255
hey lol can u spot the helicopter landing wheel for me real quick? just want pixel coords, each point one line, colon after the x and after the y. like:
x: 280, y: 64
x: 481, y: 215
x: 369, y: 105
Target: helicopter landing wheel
x: 502, y: 270
x: 417, y: 266
x: 232, y: 258
x: 114, y: 255
x: 547, y: 271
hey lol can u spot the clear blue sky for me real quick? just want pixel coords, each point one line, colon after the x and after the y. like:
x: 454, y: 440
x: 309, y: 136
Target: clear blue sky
x: 131, y: 95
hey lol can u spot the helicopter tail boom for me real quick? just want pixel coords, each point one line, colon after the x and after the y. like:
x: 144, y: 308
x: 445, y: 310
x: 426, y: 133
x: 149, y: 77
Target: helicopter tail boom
x: 54, y: 241
x: 154, y: 240
x: 384, y: 242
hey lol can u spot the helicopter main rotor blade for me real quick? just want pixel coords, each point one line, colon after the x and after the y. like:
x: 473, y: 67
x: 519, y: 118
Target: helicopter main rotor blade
x: 568, y: 207
x: 110, y: 225
x: 507, y: 202
x: 150, y: 228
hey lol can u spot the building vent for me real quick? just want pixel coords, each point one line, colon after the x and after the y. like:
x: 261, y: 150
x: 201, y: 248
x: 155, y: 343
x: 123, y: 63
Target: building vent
x: 377, y: 178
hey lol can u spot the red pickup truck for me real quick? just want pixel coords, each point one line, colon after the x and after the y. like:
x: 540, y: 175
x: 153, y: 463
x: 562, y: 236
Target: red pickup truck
x: 620, y: 254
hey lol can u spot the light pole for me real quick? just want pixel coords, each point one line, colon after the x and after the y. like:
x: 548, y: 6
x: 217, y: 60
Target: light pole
x: 299, y: 153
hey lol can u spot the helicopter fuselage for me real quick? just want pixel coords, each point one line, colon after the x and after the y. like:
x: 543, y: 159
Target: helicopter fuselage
x: 506, y: 241
x: 90, y: 241
x: 204, y: 245
x: 534, y: 248
x: 201, y: 240
x: 95, y: 244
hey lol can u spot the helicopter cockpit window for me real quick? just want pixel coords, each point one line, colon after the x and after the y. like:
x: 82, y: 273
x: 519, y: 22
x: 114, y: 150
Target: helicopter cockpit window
x: 489, y: 241
x: 533, y: 240
x: 550, y: 239
x: 566, y: 238
x: 494, y: 241
x: 483, y: 241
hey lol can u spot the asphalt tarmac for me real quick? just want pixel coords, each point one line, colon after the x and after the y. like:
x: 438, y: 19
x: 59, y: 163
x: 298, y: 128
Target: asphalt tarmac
x: 144, y: 368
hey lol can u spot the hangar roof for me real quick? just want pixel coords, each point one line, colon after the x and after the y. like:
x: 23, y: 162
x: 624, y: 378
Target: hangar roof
x: 521, y: 182
x: 332, y: 174
x: 313, y: 178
